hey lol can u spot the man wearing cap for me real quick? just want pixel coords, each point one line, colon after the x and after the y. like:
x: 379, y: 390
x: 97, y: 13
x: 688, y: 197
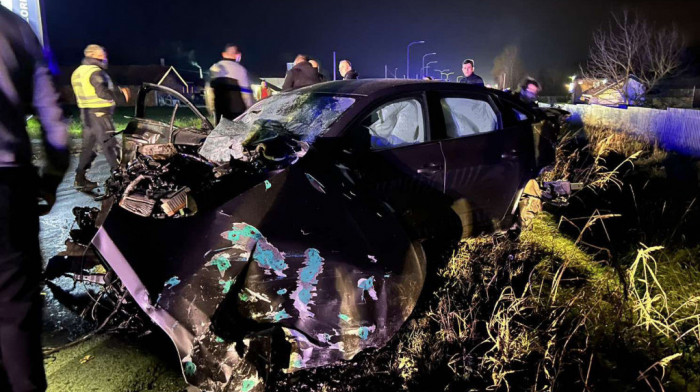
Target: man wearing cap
x: 96, y: 96
x: 25, y: 88
x: 469, y: 76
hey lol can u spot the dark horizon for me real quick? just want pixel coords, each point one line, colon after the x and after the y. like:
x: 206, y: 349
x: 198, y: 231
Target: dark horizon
x: 552, y: 36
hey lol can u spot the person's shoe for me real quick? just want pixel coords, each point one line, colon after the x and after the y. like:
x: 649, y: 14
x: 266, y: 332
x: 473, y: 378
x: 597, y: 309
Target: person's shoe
x: 83, y: 184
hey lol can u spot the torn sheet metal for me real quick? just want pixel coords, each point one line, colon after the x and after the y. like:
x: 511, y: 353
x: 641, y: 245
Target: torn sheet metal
x: 261, y: 274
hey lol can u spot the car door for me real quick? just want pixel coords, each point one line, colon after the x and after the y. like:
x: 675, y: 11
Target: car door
x: 402, y: 166
x: 484, y: 170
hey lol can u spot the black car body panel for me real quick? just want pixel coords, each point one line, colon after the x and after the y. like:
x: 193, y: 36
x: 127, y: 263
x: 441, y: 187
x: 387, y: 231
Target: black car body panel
x: 324, y: 254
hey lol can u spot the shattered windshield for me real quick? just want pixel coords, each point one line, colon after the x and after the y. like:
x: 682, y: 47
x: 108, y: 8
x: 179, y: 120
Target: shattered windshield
x: 305, y: 116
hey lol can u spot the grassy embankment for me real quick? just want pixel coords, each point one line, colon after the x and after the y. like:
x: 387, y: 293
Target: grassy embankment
x: 599, y: 295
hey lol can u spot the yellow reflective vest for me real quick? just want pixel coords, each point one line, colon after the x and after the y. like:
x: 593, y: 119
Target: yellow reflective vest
x: 84, y: 91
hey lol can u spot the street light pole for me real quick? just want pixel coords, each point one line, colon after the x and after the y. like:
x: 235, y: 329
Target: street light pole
x: 335, y: 66
x: 408, y: 51
x: 423, y: 62
x: 425, y: 69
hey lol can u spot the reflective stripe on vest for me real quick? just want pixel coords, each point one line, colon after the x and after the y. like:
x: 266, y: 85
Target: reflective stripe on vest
x: 84, y: 91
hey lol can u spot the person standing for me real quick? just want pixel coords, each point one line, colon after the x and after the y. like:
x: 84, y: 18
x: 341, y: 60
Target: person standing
x: 346, y: 71
x: 264, y: 91
x: 469, y: 76
x: 529, y: 91
x: 96, y: 96
x: 25, y: 87
x: 301, y: 75
x: 228, y: 92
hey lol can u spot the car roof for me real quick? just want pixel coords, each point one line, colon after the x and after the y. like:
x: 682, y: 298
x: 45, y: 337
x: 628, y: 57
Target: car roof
x: 371, y: 89
x: 368, y: 87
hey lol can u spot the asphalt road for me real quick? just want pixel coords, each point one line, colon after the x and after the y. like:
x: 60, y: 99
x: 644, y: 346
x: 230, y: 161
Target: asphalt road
x: 60, y: 324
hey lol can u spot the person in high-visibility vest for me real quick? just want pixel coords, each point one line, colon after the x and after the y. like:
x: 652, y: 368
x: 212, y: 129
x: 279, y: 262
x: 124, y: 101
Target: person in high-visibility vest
x: 96, y: 96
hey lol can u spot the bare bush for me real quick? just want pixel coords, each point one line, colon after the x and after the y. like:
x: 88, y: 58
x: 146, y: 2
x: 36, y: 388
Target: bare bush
x: 633, y: 47
x: 508, y: 69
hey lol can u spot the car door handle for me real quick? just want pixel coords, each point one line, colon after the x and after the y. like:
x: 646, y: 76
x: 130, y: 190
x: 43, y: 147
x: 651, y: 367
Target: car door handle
x: 512, y: 154
x: 430, y: 168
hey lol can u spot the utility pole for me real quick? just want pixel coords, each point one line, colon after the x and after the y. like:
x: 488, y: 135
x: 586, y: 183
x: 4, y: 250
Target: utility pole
x: 385, y: 71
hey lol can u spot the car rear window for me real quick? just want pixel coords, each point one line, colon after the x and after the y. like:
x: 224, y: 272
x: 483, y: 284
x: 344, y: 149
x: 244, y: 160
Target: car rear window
x: 465, y: 116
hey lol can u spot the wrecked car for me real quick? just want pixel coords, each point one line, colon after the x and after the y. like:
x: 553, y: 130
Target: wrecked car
x: 302, y: 233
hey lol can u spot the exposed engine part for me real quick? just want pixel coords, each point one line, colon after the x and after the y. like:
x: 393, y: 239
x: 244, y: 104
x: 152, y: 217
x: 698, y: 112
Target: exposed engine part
x: 222, y: 170
x: 138, y: 204
x: 85, y: 217
x: 175, y: 202
x: 558, y: 192
x: 159, y: 152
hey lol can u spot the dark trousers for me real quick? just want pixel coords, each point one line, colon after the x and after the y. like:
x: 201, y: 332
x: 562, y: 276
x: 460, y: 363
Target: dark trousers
x: 21, y: 359
x: 98, y: 130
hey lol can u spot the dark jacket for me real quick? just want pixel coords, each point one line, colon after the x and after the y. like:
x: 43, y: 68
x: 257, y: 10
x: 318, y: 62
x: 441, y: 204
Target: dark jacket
x: 301, y: 75
x: 104, y: 87
x: 26, y: 88
x: 230, y: 86
x: 473, y: 79
x: 351, y: 75
x: 102, y: 82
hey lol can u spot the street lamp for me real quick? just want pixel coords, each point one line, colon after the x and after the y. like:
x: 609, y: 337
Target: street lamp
x: 423, y: 62
x: 444, y: 72
x: 408, y: 49
x: 425, y: 69
x: 572, y: 88
x: 441, y: 72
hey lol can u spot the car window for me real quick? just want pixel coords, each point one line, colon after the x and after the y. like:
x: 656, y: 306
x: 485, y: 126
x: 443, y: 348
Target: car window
x: 396, y: 124
x: 465, y: 116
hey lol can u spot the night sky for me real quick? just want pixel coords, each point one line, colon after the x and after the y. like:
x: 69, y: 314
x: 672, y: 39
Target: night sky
x: 550, y: 34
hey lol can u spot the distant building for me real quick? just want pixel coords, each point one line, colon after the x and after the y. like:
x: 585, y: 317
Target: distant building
x: 602, y: 92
